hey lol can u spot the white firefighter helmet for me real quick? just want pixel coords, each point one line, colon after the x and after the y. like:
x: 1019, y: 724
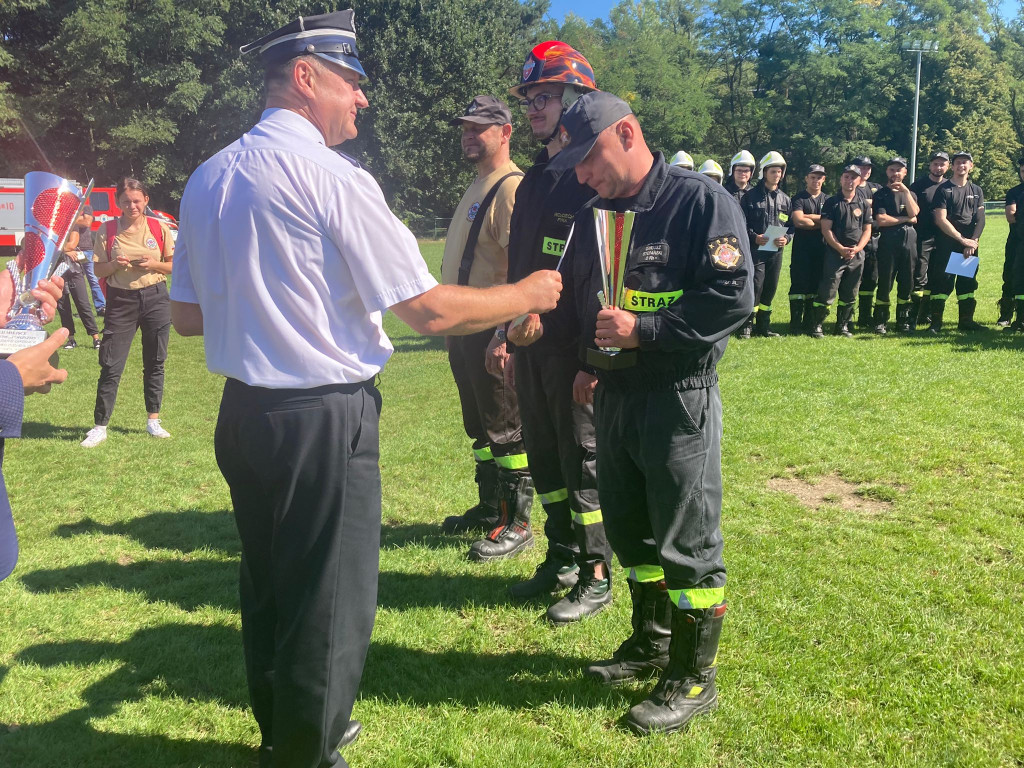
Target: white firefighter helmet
x: 771, y: 160
x: 712, y: 169
x: 682, y: 159
x: 743, y: 157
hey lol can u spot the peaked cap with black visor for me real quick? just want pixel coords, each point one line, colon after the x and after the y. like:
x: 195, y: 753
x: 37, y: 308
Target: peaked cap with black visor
x: 559, y: 63
x: 331, y: 36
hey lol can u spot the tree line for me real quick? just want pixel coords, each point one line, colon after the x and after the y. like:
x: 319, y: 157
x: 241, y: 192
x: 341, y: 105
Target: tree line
x: 150, y: 88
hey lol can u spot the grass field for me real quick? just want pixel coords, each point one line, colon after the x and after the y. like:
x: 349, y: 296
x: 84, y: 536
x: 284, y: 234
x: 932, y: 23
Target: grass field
x: 874, y: 531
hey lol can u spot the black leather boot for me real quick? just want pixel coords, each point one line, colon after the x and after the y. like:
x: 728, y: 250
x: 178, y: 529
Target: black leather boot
x: 687, y: 687
x: 762, y: 324
x: 864, y: 310
x: 589, y: 596
x: 552, y: 576
x: 935, y: 309
x: 881, y: 319
x: 512, y: 534
x: 903, y: 324
x: 645, y: 652
x: 809, y: 315
x: 1005, y: 313
x: 484, y: 516
x: 843, y: 315
x: 796, y: 314
x: 966, y: 321
x: 819, y: 315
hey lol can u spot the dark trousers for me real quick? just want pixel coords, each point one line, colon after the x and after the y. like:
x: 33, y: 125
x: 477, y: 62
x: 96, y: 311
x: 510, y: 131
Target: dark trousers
x: 767, y: 268
x: 805, y: 270
x: 869, y: 272
x: 149, y: 309
x: 925, y: 249
x: 490, y: 410
x: 303, y: 470
x: 1018, y: 271
x: 562, y: 450
x: 940, y: 283
x: 659, y: 458
x: 897, y: 254
x: 841, y: 276
x: 1009, y: 260
x: 75, y: 287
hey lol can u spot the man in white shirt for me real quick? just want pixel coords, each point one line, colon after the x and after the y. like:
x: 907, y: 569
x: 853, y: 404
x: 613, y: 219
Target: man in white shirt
x: 286, y: 260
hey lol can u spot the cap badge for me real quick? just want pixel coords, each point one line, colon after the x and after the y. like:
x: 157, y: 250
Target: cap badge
x: 563, y: 136
x: 528, y: 68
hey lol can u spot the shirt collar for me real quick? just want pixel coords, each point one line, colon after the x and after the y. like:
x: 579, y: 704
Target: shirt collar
x: 292, y: 121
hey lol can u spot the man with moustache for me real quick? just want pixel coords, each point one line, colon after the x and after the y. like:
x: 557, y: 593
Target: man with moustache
x: 476, y: 254
x: 808, y: 250
x: 925, y: 188
x: 895, y: 211
x: 554, y: 387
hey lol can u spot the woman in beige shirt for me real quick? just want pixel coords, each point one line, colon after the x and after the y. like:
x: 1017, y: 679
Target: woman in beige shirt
x: 134, y: 254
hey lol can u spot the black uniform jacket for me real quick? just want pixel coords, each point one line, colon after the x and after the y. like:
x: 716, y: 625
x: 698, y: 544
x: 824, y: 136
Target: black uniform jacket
x: 925, y: 190
x: 687, y: 277
x: 1016, y: 195
x: 849, y: 218
x: 965, y: 207
x: 765, y: 209
x: 891, y: 204
x: 546, y: 205
x: 735, y: 191
x: 809, y: 240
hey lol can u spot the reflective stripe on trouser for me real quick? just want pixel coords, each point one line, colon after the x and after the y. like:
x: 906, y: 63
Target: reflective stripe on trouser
x: 660, y: 477
x: 483, y: 454
x: 559, y: 438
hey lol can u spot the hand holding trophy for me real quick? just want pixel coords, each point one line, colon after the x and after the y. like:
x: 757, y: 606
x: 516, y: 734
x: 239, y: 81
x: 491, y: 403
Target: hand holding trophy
x: 614, y: 235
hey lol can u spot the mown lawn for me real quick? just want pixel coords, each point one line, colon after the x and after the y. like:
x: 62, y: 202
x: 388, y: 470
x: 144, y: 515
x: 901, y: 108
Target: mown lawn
x: 879, y: 626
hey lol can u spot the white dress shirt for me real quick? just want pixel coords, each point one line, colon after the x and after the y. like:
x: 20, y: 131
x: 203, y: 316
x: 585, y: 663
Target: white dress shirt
x: 293, y: 255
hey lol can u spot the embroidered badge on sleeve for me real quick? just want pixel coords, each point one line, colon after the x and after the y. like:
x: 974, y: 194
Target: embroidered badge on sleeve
x: 725, y: 253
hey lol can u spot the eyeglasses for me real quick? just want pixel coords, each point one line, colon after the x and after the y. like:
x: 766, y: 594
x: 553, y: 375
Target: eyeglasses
x: 538, y: 102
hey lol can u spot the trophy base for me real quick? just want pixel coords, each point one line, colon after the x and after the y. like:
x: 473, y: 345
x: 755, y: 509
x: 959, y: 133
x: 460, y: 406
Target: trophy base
x: 611, y: 361
x: 12, y: 341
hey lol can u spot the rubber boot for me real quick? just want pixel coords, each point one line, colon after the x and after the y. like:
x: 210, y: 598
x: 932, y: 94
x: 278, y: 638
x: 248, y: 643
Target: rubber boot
x: 512, y: 535
x: 843, y: 315
x: 966, y: 321
x: 687, y: 687
x: 796, y: 315
x: 809, y: 315
x: 762, y: 325
x: 864, y: 311
x: 552, y: 576
x: 819, y: 315
x: 881, y: 319
x: 1005, y: 313
x: 645, y: 652
x: 924, y: 310
x: 935, y: 309
x: 1018, y: 324
x: 590, y: 595
x: 746, y: 328
x: 903, y: 324
x: 484, y: 516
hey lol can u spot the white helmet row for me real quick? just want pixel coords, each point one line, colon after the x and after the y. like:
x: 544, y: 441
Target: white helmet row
x: 712, y: 169
x: 682, y: 159
x: 743, y: 157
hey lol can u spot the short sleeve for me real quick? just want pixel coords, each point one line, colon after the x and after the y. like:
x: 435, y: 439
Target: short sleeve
x: 828, y: 209
x: 99, y: 244
x: 941, y: 200
x: 168, y: 250
x: 182, y: 287
x: 500, y: 215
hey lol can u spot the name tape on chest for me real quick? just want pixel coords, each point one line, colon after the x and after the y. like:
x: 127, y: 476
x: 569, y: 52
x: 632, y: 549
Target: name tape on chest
x: 725, y: 253
x: 653, y: 253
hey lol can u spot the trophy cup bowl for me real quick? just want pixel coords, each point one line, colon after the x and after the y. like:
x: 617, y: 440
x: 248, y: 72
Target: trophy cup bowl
x: 614, y: 235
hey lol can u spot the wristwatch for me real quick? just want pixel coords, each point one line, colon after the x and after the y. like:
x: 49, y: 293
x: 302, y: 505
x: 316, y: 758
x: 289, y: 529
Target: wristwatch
x: 499, y: 333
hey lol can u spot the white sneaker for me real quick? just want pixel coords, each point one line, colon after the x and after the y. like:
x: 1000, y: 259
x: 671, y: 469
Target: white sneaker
x: 94, y: 437
x: 154, y: 428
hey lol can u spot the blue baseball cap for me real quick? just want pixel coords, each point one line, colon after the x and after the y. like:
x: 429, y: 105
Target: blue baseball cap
x: 331, y: 36
x: 582, y: 123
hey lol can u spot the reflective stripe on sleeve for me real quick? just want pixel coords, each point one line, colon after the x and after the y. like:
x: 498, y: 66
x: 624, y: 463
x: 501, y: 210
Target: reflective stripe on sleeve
x: 644, y: 301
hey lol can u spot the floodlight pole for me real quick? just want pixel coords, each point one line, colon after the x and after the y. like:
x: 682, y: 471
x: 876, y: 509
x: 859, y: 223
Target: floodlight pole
x: 919, y: 47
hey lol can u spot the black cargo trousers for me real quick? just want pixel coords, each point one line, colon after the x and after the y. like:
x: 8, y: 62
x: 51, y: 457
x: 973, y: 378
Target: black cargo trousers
x: 562, y: 453
x: 660, y: 480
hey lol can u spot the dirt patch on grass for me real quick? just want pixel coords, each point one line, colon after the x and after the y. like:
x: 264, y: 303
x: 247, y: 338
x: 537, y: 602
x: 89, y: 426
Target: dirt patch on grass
x: 832, y: 489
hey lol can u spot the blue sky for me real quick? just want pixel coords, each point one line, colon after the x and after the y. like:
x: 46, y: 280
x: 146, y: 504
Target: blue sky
x: 592, y: 9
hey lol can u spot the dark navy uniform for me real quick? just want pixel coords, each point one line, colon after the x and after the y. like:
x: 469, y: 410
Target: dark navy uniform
x: 733, y: 189
x: 558, y: 432
x: 764, y: 209
x: 897, y: 254
x: 1013, y: 266
x: 925, y: 189
x: 965, y: 210
x: 808, y: 253
x: 869, y: 273
x: 659, y: 421
x: 839, y: 275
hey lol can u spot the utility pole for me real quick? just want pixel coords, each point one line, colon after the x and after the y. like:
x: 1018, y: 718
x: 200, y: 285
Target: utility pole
x: 918, y: 47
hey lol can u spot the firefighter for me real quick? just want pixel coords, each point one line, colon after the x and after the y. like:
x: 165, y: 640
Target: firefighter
x: 1014, y: 207
x: 869, y: 277
x: 895, y: 211
x: 764, y: 206
x: 559, y: 432
x: 808, y: 250
x: 846, y: 228
x: 925, y: 189
x: 657, y: 404
x: 682, y: 159
x: 960, y: 219
x: 712, y: 170
x: 741, y: 169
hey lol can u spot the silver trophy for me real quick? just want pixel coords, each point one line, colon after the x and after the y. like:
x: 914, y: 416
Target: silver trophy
x: 52, y: 206
x: 614, y: 235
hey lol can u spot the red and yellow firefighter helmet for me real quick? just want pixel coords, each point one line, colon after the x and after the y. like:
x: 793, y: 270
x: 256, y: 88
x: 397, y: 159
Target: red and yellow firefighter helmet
x: 555, y: 62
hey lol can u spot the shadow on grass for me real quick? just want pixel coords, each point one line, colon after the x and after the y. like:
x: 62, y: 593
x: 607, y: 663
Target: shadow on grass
x: 43, y: 430
x: 957, y: 341
x: 402, y: 591
x: 418, y: 343
x: 427, y: 535
x: 184, y: 662
x: 186, y: 530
